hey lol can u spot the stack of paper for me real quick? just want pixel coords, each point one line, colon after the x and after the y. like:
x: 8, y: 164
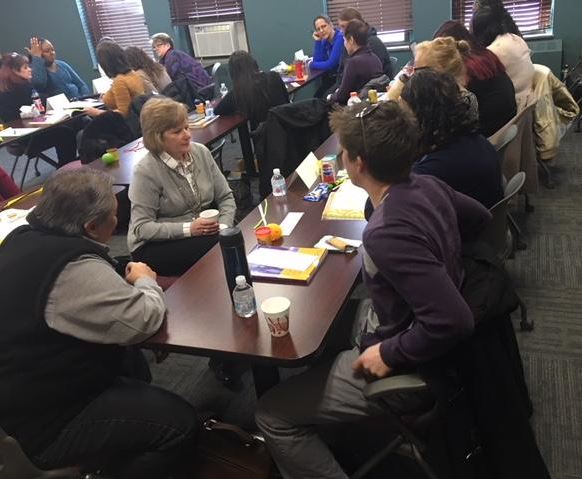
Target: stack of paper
x: 50, y: 118
x: 347, y: 203
x: 16, y: 132
x: 285, y: 263
x: 10, y: 220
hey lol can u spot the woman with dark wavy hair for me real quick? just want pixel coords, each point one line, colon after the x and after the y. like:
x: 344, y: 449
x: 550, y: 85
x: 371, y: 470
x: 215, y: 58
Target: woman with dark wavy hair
x: 453, y: 149
x: 486, y: 78
x: 254, y: 92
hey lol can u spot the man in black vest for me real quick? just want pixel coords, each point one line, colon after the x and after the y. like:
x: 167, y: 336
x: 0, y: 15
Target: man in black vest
x: 66, y: 319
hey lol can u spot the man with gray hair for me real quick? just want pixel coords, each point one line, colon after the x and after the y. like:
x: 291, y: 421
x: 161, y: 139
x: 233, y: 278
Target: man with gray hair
x: 67, y: 318
x: 179, y: 64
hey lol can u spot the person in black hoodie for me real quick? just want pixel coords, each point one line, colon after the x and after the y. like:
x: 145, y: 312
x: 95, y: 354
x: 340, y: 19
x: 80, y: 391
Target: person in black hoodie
x: 253, y: 92
x: 16, y: 91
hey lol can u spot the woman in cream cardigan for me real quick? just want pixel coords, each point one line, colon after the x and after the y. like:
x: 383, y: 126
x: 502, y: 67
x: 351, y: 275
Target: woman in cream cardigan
x: 171, y: 185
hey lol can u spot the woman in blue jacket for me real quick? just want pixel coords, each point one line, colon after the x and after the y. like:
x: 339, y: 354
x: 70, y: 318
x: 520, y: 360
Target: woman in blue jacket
x: 327, y: 51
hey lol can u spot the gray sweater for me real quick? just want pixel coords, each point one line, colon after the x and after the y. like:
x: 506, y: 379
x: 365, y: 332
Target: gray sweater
x: 162, y: 199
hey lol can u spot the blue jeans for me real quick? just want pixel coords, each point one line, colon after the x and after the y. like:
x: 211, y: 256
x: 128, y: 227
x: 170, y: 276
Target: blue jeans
x: 132, y: 430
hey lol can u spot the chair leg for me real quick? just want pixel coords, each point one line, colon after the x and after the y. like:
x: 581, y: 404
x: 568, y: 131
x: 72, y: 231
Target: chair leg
x: 36, y: 172
x: 422, y: 463
x: 377, y: 458
x: 516, y: 231
x: 232, y: 138
x: 550, y: 185
x: 25, y: 172
x: 529, y: 208
x: 16, y: 158
x: 524, y: 323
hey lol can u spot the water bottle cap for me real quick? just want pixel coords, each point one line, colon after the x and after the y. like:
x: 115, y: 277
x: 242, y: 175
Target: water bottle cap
x: 276, y: 171
x: 222, y: 84
x: 241, y: 280
x: 354, y: 93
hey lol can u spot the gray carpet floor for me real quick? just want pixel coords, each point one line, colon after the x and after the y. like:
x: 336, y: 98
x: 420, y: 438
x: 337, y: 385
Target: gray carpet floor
x: 548, y: 275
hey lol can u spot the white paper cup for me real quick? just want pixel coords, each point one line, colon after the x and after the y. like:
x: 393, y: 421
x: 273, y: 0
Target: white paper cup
x: 276, y: 312
x: 210, y: 215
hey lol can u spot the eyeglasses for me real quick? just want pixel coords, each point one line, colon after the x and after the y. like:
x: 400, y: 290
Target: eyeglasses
x: 363, y: 114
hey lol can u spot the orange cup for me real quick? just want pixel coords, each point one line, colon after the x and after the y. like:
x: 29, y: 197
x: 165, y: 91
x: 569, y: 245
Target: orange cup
x: 263, y: 235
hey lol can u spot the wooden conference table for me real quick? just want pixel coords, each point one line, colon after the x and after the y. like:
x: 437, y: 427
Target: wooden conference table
x: 132, y: 153
x: 297, y: 85
x: 201, y: 319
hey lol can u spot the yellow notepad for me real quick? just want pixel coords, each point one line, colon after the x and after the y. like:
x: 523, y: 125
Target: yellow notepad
x: 347, y: 203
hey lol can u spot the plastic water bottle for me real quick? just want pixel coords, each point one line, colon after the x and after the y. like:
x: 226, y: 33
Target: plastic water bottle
x: 354, y: 98
x: 223, y: 90
x: 36, y: 101
x: 209, y: 109
x: 278, y: 183
x: 243, y: 297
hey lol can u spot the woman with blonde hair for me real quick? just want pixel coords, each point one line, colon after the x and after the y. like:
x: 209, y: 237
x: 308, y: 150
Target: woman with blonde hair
x: 445, y: 55
x: 171, y: 186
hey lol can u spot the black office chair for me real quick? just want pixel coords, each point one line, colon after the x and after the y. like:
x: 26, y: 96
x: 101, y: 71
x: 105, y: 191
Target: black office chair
x: 15, y: 465
x: 27, y: 149
x: 216, y: 153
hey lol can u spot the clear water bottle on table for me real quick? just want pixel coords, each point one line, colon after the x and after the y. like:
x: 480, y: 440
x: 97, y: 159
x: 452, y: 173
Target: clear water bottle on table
x: 243, y: 297
x: 223, y: 90
x: 278, y: 183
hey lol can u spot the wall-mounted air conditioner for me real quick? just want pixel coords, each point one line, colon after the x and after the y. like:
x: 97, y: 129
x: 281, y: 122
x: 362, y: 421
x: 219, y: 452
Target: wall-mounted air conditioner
x: 218, y: 39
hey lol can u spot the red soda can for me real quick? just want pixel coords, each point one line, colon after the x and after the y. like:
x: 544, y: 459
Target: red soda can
x: 327, y: 173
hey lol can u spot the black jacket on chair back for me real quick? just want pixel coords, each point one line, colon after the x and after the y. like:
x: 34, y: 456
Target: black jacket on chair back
x: 290, y: 132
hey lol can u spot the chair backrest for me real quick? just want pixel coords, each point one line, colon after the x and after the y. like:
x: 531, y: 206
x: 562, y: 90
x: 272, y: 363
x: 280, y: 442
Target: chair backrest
x: 495, y: 234
x: 216, y: 153
x: 502, y: 137
x: 519, y: 154
x: 15, y: 465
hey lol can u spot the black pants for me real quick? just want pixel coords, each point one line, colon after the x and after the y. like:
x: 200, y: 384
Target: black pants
x: 174, y: 258
x: 327, y: 81
x: 131, y: 431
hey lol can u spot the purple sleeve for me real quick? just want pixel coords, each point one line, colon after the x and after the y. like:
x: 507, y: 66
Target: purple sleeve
x: 172, y: 65
x: 343, y: 92
x: 441, y: 315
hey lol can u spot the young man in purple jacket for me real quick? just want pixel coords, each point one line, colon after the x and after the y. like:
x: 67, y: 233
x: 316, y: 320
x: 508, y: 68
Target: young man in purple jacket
x: 412, y: 269
x: 361, y: 65
x: 178, y: 63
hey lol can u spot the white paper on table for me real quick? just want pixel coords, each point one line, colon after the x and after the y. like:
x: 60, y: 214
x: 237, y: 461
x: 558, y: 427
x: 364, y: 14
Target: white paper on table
x: 57, y: 102
x: 290, y: 222
x: 307, y: 170
x: 16, y: 132
x: 11, y: 219
x: 294, y: 84
x: 89, y: 102
x: 350, y: 197
x: 278, y: 258
x: 323, y: 244
x: 102, y: 84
